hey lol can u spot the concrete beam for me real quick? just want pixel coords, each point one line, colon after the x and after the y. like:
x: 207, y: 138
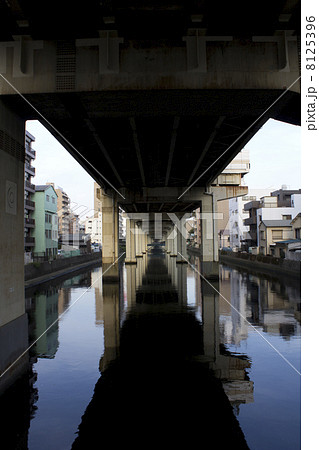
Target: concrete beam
x: 232, y: 65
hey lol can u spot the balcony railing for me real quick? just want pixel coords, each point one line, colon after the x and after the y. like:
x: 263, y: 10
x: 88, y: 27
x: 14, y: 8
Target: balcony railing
x: 255, y: 204
x: 250, y: 221
x: 30, y: 152
x: 29, y: 204
x: 29, y: 186
x: 29, y: 241
x: 29, y: 222
x: 30, y: 169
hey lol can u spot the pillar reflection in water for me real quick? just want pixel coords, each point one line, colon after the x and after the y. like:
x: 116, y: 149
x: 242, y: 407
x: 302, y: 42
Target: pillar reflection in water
x: 158, y: 387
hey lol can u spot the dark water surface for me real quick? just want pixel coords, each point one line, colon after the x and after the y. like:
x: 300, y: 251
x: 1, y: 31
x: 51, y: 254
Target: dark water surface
x: 160, y: 359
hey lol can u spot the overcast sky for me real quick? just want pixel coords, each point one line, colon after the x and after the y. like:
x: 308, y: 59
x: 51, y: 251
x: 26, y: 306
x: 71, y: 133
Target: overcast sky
x: 275, y: 157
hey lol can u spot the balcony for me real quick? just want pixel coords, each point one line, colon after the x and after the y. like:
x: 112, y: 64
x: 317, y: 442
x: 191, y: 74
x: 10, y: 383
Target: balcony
x: 255, y: 204
x: 29, y: 223
x: 29, y: 204
x: 29, y: 241
x: 284, y: 203
x: 29, y: 187
x: 29, y: 169
x: 250, y: 221
x: 30, y: 152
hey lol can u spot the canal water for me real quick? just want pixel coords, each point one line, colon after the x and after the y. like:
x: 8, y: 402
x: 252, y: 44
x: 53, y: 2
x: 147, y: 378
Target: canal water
x: 161, y: 358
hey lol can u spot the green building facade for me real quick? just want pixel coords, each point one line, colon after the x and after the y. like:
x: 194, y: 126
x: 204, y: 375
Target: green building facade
x: 46, y: 221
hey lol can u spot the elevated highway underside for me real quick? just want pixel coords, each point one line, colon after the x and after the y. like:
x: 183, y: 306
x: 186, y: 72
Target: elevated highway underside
x: 163, y: 138
x: 151, y: 94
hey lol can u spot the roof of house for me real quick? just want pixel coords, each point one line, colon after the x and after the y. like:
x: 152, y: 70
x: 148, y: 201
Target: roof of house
x: 276, y: 223
x: 42, y: 187
x: 295, y: 218
x: 288, y: 241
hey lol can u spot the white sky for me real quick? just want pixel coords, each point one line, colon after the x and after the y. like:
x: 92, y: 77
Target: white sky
x: 275, y: 159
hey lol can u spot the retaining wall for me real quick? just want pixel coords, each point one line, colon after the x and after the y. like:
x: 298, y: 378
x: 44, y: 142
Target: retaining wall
x: 36, y: 270
x: 262, y: 263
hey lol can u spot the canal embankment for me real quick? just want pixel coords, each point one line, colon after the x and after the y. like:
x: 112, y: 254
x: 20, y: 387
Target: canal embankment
x: 36, y: 272
x: 262, y: 264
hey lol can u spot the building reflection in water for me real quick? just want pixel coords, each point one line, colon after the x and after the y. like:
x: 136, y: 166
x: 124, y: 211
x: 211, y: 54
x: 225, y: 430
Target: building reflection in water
x: 164, y: 372
x: 44, y: 304
x: 261, y: 301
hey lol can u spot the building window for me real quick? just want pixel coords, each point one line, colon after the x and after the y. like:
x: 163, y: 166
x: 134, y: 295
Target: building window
x: 286, y: 217
x: 48, y: 198
x: 262, y: 235
x: 53, y: 200
x: 277, y: 234
x: 297, y: 233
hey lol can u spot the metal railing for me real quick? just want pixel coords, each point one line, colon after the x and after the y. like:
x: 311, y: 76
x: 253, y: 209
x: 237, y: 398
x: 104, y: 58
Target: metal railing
x: 30, y: 152
x: 29, y: 168
x: 30, y: 222
x: 29, y: 185
x: 29, y: 204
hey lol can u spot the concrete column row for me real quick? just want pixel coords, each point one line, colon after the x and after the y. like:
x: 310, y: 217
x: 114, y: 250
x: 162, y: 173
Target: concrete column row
x: 136, y: 241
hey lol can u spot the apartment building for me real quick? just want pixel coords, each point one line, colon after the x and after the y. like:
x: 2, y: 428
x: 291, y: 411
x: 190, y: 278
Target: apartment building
x: 282, y: 204
x: 29, y: 190
x: 98, y: 209
x: 231, y: 175
x: 46, y: 221
x: 93, y: 227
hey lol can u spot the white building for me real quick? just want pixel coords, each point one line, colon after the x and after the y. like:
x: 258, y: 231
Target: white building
x: 93, y: 227
x: 269, y: 210
x: 238, y: 232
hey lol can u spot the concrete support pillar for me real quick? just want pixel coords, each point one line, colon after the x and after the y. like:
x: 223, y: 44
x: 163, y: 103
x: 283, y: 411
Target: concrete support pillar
x: 210, y: 264
x: 110, y: 236
x: 130, y: 242
x: 173, y: 236
x: 182, y: 283
x: 13, y: 320
x: 131, y: 285
x: 169, y: 243
x: 144, y: 243
x: 173, y: 272
x: 111, y: 298
x: 138, y: 238
x: 181, y: 242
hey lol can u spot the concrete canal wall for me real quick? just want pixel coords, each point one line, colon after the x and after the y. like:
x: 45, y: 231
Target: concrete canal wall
x: 45, y: 270
x: 264, y: 264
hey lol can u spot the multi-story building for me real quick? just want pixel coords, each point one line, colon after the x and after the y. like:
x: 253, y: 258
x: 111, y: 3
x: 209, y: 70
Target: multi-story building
x: 231, y: 175
x: 97, y: 199
x: 98, y: 209
x: 230, y: 228
x: 241, y: 236
x: 29, y: 190
x: 63, y: 211
x: 285, y: 196
x: 93, y: 227
x: 279, y: 205
x: 46, y: 221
